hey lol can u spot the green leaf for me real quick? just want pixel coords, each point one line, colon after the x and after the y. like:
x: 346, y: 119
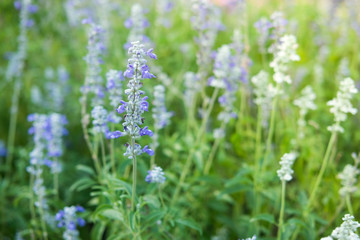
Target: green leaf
x: 190, y: 224
x: 82, y: 184
x: 98, y: 231
x: 112, y: 214
x: 264, y: 217
x: 85, y: 169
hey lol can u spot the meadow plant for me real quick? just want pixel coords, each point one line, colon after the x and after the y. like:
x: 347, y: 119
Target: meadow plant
x: 137, y: 23
x: 68, y: 219
x: 15, y: 71
x: 346, y: 231
x: 220, y: 152
x: 305, y: 103
x: 136, y: 105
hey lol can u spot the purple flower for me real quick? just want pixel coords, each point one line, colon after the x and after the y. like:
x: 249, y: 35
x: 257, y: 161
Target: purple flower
x: 71, y: 226
x: 128, y: 23
x: 32, y: 8
x: 121, y: 108
x: 145, y: 131
x: 147, y: 150
x: 81, y: 222
x: 87, y: 21
x: 17, y: 5
x: 129, y: 71
x: 79, y: 208
x: 59, y: 215
x: 145, y: 72
x: 115, y: 134
x: 144, y: 105
x: 151, y: 54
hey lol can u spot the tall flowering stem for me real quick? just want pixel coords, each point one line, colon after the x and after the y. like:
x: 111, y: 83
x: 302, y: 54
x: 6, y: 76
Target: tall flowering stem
x: 15, y: 71
x: 160, y: 115
x: 93, y: 81
x: 285, y: 53
x: 285, y: 175
x: 340, y: 107
x: 135, y: 106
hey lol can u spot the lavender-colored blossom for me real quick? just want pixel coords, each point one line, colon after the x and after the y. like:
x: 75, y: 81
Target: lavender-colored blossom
x: 93, y: 80
x: 99, y: 115
x: 206, y: 21
x: 137, y: 23
x: 278, y: 24
x: 263, y: 26
x: 156, y: 175
x: 3, y: 150
x: 160, y: 115
x: 68, y: 219
x: 16, y: 63
x: 40, y: 132
x: 192, y: 87
x: 114, y: 86
x: 227, y: 76
x: 137, y: 103
x: 57, y: 130
x: 164, y: 8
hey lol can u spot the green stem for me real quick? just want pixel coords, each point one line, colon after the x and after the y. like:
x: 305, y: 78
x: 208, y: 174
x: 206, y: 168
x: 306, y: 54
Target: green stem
x: 272, y: 127
x: 282, y: 209
x: 12, y: 126
x: 112, y: 153
x: 192, y: 151
x: 56, y: 180
x: 213, y: 152
x: 133, y: 196
x: 318, y: 180
x: 161, y: 197
x: 258, y: 137
x: 102, y: 150
x: 321, y: 173
x: 348, y: 204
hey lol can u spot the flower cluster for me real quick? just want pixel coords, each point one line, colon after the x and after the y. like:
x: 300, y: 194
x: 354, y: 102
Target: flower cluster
x: 93, y: 79
x: 278, y: 24
x: 37, y: 156
x: 156, y: 175
x: 284, y: 54
x: 348, y: 179
x: 305, y: 102
x: 164, y: 8
x: 346, y: 231
x: 136, y: 104
x: 68, y: 219
x: 263, y: 26
x: 100, y: 117
x: 137, y: 23
x: 341, y: 105
x: 264, y: 92
x: 192, y: 86
x: 114, y: 86
x: 226, y: 75
x: 252, y: 238
x: 16, y: 63
x: 241, y: 58
x: 206, y: 20
x: 285, y: 172
x: 160, y: 115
